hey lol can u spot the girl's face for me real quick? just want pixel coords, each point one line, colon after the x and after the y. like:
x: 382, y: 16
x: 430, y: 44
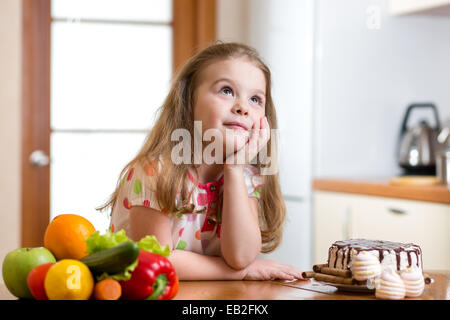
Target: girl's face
x: 230, y: 97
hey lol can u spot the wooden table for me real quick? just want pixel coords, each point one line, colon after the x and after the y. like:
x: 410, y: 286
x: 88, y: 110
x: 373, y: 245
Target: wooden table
x: 283, y: 290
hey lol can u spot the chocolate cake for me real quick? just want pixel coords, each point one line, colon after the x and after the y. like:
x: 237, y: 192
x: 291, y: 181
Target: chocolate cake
x: 397, y: 255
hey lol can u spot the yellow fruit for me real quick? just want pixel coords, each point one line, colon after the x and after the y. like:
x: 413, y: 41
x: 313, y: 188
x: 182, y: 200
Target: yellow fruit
x: 65, y: 236
x: 69, y: 280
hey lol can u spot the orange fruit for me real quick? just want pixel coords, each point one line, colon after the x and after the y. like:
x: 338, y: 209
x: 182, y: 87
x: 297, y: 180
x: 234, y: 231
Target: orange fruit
x: 65, y: 236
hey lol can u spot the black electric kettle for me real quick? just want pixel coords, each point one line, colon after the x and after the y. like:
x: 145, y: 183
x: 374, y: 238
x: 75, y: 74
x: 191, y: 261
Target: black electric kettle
x: 417, y: 145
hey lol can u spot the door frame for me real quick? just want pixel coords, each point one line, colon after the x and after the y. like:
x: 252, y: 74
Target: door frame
x: 35, y: 198
x: 193, y: 27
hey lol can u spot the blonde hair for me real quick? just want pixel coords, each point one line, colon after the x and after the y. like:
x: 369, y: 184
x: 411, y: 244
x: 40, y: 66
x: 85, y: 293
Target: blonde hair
x: 177, y: 112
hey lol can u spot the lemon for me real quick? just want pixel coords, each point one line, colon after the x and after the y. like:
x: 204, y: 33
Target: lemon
x: 69, y: 279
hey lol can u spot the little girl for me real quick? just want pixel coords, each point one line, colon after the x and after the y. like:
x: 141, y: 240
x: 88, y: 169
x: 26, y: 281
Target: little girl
x: 216, y: 218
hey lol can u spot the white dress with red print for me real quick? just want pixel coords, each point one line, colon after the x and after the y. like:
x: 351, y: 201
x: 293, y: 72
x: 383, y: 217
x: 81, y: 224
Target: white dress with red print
x: 197, y: 231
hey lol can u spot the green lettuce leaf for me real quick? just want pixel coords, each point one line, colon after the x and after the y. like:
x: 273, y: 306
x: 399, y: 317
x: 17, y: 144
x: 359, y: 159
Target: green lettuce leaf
x: 151, y: 244
x: 124, y: 275
x: 99, y: 242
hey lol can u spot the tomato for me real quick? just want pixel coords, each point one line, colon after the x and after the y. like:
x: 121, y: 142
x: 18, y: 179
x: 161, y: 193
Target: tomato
x: 35, y: 280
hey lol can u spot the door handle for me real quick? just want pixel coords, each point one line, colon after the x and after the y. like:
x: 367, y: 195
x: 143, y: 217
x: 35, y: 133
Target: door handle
x: 397, y: 211
x: 39, y: 158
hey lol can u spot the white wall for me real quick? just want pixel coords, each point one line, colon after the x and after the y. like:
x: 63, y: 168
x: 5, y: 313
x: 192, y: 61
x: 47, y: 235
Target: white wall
x: 10, y: 127
x: 365, y: 78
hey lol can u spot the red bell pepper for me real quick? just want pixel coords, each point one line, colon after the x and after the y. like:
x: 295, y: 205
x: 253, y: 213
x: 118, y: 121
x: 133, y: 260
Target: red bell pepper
x: 154, y: 278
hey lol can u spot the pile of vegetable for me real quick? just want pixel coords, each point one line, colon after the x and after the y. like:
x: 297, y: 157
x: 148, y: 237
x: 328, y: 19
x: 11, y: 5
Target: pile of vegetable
x: 141, y: 269
x: 74, y: 265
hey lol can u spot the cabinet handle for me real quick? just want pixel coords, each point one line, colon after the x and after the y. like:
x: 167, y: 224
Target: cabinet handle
x: 397, y: 211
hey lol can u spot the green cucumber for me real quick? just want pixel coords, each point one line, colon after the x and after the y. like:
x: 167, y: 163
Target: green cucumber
x: 113, y: 260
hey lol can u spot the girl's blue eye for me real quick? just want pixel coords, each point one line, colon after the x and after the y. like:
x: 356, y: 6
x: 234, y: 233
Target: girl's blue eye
x: 256, y: 99
x: 226, y: 90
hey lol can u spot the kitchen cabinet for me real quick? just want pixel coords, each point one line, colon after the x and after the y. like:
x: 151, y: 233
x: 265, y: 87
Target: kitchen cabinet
x: 399, y: 7
x: 339, y: 216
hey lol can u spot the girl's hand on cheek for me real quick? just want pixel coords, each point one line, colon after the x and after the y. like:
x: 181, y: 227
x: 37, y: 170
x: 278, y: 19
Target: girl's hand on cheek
x: 269, y: 269
x: 259, y: 136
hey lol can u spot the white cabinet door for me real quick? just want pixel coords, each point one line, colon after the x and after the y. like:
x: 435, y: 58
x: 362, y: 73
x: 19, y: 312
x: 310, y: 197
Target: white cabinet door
x: 423, y: 223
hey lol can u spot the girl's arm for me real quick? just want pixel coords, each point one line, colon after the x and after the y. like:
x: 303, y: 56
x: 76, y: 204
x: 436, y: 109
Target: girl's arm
x: 189, y: 265
x: 240, y: 235
x: 193, y: 266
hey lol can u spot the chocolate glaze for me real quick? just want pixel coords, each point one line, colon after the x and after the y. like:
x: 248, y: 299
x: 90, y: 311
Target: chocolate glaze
x: 380, y: 245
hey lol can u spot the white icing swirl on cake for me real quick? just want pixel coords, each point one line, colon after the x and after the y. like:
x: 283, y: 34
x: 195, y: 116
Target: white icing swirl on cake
x: 365, y: 266
x: 390, y: 286
x: 414, y: 282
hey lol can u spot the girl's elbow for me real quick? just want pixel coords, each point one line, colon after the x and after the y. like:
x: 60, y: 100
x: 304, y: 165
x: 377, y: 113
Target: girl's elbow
x: 240, y: 257
x: 239, y: 261
x: 237, y: 264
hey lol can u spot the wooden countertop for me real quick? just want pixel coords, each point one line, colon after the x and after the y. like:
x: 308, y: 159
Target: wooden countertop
x: 284, y: 290
x: 382, y: 188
